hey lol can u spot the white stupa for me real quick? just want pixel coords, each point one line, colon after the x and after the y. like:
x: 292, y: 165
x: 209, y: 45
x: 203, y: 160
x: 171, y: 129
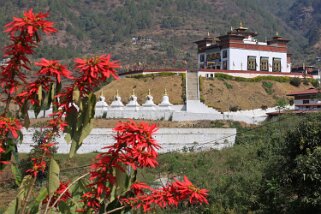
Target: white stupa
x: 149, y: 103
x: 101, y: 106
x: 165, y: 104
x: 132, y: 104
x: 117, y: 104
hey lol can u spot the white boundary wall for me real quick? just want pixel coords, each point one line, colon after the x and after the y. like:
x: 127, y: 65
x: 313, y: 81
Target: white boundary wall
x: 170, y: 139
x: 254, y: 116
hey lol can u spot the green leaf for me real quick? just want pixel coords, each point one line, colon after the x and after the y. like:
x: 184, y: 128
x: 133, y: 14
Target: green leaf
x: 52, y: 91
x: 15, y: 204
x: 79, y: 137
x: 13, y: 207
x: 16, y: 173
x: 26, y: 121
x: 76, y: 95
x: 39, y: 93
x: 37, y: 110
x: 53, y: 182
x: 68, y: 138
x: 36, y: 205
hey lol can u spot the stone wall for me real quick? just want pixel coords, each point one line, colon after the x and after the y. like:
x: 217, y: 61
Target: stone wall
x: 170, y: 139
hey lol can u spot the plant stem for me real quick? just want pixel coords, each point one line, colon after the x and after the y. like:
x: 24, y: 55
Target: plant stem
x: 47, y: 206
x: 114, y: 210
x: 72, y: 183
x: 25, y: 201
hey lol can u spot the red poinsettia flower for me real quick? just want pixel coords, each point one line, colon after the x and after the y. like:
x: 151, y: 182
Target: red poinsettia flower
x: 53, y: 68
x: 31, y: 91
x: 38, y: 165
x: 61, y: 190
x: 30, y: 22
x: 9, y: 125
x: 97, y: 68
x: 139, y: 187
x: 187, y: 190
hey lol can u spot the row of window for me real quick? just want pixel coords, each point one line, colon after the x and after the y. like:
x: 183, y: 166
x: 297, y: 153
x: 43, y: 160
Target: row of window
x: 264, y: 64
x: 251, y: 62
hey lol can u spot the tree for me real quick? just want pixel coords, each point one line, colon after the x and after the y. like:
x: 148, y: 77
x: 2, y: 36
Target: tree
x: 293, y: 182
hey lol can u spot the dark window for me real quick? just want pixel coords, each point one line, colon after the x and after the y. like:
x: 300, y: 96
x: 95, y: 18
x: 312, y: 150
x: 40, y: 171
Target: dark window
x: 224, y: 65
x: 264, y: 65
x: 225, y: 54
x: 251, y: 63
x: 276, y: 67
x: 202, y: 58
x: 306, y: 101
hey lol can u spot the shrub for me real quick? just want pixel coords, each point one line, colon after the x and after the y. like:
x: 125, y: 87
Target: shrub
x: 264, y: 107
x: 234, y: 108
x: 222, y: 76
x: 268, y: 87
x: 306, y: 81
x: 315, y: 83
x: 228, y: 86
x: 295, y: 81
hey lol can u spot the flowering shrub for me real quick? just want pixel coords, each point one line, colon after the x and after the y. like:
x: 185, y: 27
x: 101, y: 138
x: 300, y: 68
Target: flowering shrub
x: 110, y: 185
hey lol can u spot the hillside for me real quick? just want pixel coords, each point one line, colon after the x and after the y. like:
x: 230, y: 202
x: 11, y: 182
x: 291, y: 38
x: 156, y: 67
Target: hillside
x: 161, y: 33
x: 225, y: 94
x: 221, y: 94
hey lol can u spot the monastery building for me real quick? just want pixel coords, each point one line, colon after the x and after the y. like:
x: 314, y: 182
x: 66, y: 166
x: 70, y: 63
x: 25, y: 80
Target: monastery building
x: 239, y: 50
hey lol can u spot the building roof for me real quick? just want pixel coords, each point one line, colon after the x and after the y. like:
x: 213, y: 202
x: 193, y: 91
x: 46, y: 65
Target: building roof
x: 309, y: 91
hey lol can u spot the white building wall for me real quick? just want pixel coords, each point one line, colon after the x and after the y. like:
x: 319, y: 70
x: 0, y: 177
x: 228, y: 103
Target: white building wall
x: 311, y: 101
x: 210, y: 74
x: 237, y: 59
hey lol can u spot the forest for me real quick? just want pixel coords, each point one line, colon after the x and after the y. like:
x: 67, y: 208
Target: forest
x: 168, y: 28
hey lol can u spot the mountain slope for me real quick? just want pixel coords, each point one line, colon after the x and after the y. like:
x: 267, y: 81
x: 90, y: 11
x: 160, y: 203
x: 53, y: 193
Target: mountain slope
x: 158, y: 33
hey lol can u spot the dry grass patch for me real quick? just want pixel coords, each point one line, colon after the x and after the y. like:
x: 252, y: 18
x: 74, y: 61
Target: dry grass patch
x: 223, y: 94
x: 156, y: 84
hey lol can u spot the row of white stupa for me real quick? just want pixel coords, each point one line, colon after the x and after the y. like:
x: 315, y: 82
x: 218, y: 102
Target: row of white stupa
x: 133, y: 104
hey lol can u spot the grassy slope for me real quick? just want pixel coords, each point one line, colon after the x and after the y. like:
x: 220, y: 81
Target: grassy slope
x: 220, y: 94
x: 223, y: 94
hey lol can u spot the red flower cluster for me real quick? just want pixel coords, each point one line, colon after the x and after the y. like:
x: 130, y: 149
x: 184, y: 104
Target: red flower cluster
x: 136, y: 143
x: 61, y: 190
x: 53, y: 68
x: 9, y: 128
x: 24, y: 37
x: 136, y: 147
x: 30, y: 23
x: 95, y: 70
x: 170, y: 195
x: 46, y: 147
x: 38, y: 165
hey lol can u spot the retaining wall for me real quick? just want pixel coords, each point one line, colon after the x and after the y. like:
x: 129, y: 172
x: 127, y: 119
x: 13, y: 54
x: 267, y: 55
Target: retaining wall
x: 170, y: 139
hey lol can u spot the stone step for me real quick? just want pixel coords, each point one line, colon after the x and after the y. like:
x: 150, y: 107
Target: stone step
x: 192, y: 86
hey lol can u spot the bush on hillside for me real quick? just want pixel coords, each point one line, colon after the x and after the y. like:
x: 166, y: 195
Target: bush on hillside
x: 292, y: 183
x: 235, y: 108
x: 295, y: 81
x: 268, y: 87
